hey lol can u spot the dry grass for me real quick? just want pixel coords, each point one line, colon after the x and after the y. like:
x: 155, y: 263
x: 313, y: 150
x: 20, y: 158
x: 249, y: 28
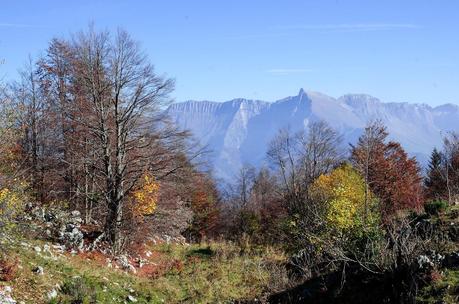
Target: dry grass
x: 208, y: 273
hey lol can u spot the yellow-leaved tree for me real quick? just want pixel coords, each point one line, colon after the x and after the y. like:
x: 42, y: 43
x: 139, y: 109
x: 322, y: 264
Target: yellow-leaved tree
x: 12, y: 188
x: 146, y: 196
x: 347, y: 207
x: 10, y: 205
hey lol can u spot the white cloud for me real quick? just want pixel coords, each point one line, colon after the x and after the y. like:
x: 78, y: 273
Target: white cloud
x: 18, y: 25
x: 349, y: 27
x: 288, y: 71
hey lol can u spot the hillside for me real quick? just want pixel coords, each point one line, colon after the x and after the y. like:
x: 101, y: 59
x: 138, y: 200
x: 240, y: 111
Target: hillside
x: 36, y: 270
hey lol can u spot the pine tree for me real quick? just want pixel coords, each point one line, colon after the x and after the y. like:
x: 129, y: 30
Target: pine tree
x: 435, y: 181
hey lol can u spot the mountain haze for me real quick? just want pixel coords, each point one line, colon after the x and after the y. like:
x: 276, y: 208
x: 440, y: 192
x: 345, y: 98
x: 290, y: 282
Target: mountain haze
x: 238, y: 131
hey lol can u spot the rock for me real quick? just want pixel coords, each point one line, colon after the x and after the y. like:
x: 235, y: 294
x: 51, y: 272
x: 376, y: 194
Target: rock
x: 424, y: 262
x: 72, y: 237
x: 58, y: 248
x: 39, y: 270
x: 141, y: 262
x: 131, y: 298
x: 5, y: 295
x: 429, y: 261
x: 125, y: 265
x: 37, y: 249
x: 49, y: 216
x: 52, y: 294
x: 62, y: 226
x: 75, y: 213
x: 168, y: 239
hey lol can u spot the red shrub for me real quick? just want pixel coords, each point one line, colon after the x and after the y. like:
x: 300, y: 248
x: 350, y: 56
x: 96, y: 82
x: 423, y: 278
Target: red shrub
x: 8, y: 269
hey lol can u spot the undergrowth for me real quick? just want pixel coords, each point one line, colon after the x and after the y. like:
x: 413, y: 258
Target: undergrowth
x: 208, y: 273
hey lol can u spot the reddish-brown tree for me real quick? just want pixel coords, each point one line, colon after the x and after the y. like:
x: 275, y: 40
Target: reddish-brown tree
x: 388, y: 171
x: 204, y: 203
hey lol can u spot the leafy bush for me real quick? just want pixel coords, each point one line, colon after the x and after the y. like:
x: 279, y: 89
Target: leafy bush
x: 8, y: 268
x: 435, y: 207
x: 343, y: 193
x: 78, y: 290
x: 11, y: 205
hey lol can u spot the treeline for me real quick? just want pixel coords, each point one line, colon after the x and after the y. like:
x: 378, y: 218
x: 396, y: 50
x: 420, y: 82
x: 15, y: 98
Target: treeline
x: 85, y: 129
x: 330, y: 208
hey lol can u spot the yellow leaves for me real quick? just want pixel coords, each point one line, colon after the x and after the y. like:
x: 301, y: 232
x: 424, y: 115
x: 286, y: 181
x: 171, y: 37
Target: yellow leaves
x: 146, y: 197
x: 9, y: 200
x: 343, y: 191
x: 11, y: 203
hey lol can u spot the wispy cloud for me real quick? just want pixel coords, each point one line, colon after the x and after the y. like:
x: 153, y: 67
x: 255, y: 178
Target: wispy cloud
x: 288, y: 71
x: 293, y: 30
x: 18, y: 25
x: 262, y: 35
x: 350, y: 27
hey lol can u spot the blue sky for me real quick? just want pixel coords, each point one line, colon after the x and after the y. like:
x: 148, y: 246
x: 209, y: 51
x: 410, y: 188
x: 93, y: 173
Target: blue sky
x: 219, y: 50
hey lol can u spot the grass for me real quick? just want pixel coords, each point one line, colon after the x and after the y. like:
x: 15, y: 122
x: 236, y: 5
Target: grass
x: 445, y: 290
x: 207, y: 273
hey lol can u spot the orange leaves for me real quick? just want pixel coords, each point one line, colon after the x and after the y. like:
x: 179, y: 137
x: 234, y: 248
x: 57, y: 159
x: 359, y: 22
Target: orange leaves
x: 204, y: 204
x: 146, y: 197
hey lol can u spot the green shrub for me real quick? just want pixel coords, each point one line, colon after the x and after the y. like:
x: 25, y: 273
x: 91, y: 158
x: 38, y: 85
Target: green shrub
x: 435, y: 207
x: 79, y: 290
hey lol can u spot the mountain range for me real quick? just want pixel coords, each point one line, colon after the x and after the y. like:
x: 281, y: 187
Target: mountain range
x: 238, y: 131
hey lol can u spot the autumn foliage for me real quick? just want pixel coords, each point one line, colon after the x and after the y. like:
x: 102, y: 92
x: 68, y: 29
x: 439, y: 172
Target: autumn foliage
x: 146, y: 197
x: 343, y: 192
x: 204, y: 203
x: 393, y: 176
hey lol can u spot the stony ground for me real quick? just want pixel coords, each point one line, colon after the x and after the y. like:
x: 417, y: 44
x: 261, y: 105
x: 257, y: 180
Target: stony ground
x: 174, y: 273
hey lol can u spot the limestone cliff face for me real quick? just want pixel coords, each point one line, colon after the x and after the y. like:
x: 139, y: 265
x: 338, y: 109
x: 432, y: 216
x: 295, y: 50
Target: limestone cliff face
x: 238, y: 131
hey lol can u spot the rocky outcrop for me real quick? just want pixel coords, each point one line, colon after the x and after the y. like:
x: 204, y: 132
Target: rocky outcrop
x: 60, y: 226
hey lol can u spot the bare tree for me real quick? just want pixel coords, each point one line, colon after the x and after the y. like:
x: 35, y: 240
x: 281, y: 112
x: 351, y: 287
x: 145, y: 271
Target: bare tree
x: 319, y: 150
x: 370, y: 144
x: 282, y: 155
x: 298, y: 160
x: 30, y: 102
x: 302, y: 157
x: 451, y: 166
x: 244, y: 184
x: 125, y: 97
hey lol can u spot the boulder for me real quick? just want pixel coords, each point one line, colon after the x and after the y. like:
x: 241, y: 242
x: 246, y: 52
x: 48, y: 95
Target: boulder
x: 5, y: 295
x: 125, y: 265
x: 39, y: 270
x: 52, y: 294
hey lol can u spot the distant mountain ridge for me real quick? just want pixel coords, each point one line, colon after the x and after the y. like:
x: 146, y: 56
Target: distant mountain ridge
x: 238, y: 131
